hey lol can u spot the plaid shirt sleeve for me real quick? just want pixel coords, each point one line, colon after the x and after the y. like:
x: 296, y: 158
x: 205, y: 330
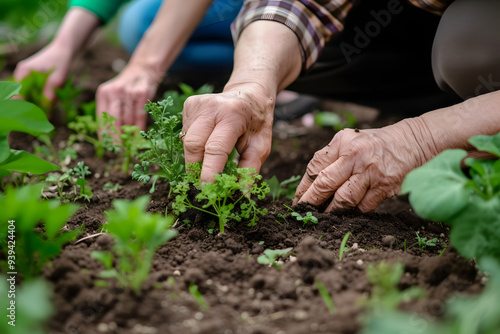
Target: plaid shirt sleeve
x: 314, y: 22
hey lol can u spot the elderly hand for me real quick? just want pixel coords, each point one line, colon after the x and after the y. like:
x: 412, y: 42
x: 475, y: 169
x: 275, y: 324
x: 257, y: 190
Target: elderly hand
x: 124, y: 96
x: 214, y: 124
x: 361, y: 168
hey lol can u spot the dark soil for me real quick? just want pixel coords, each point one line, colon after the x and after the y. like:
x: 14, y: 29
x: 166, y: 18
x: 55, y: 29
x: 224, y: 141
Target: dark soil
x: 243, y: 295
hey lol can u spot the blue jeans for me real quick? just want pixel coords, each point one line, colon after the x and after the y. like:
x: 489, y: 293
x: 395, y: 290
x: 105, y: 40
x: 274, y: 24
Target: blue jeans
x: 209, y: 48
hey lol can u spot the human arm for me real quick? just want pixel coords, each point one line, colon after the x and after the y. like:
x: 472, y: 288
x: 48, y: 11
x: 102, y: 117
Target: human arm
x: 125, y: 95
x: 267, y: 59
x: 77, y: 26
x: 362, y: 169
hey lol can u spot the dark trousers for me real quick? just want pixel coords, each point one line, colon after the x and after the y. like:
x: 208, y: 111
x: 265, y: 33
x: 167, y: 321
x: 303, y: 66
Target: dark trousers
x: 393, y: 55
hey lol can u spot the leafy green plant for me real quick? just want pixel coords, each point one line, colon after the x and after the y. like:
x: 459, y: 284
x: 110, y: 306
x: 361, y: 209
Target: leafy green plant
x: 270, y: 256
x: 86, y: 130
x: 231, y: 190
x: 75, y: 177
x: 384, y: 278
x: 423, y: 243
x: 284, y: 188
x: 469, y: 203
x: 166, y: 149
x: 32, y: 249
x: 32, y: 303
x: 67, y: 99
x: 109, y: 186
x: 327, y: 298
x: 32, y: 90
x: 16, y: 115
x: 137, y: 235
x: 463, y: 315
x: 343, y: 245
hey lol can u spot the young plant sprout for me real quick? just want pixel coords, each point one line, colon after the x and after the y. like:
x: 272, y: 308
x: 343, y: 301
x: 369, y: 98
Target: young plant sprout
x: 137, y: 235
x: 270, y: 256
x: 327, y: 298
x: 343, y: 247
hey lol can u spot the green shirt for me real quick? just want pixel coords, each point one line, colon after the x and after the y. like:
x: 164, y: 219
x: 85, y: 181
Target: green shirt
x: 103, y: 9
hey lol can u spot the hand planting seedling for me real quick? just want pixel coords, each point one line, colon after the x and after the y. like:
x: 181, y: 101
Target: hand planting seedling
x: 285, y: 188
x: 470, y: 204
x: 137, y: 235
x: 423, y: 243
x: 343, y: 245
x: 384, y: 278
x: 16, y: 115
x: 270, y: 256
x: 231, y: 190
x: 33, y: 248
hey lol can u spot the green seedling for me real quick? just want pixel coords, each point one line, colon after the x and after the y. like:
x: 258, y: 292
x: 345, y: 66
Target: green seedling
x: 32, y: 308
x: 270, y: 256
x: 229, y: 192
x: 308, y: 218
x: 335, y: 120
x: 27, y: 250
x: 343, y: 245
x: 76, y: 178
x: 32, y: 90
x: 327, y: 298
x: 137, y: 235
x: 423, y: 243
x: 469, y: 203
x: 384, y: 278
x: 86, y: 128
x: 193, y: 290
x: 285, y: 188
x: 463, y: 315
x: 16, y: 115
x: 67, y: 96
x: 109, y: 186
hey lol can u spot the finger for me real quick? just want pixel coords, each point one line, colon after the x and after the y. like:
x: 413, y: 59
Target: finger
x: 256, y: 152
x: 373, y: 198
x: 350, y: 194
x: 217, y: 149
x: 54, y: 81
x: 127, y: 108
x: 195, y: 139
x: 21, y: 72
x: 321, y: 160
x: 328, y: 181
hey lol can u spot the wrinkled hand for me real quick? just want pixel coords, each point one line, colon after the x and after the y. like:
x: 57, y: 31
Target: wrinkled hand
x: 215, y: 123
x: 50, y: 58
x: 361, y: 169
x: 124, y: 96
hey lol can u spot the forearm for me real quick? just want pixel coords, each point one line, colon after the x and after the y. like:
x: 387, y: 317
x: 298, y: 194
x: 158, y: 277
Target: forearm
x: 267, y: 54
x: 75, y: 30
x: 451, y: 127
x: 168, y: 34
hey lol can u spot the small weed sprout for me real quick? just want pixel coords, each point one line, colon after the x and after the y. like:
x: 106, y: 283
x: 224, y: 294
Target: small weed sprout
x: 270, y: 256
x: 308, y: 218
x: 284, y: 188
x: 327, y: 298
x: 343, y: 247
x: 423, y: 243
x: 193, y: 290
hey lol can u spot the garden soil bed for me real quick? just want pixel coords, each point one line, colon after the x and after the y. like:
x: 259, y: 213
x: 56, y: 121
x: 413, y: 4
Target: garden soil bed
x: 244, y: 296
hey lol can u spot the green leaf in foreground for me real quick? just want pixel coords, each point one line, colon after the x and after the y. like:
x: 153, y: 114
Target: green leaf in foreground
x: 470, y: 204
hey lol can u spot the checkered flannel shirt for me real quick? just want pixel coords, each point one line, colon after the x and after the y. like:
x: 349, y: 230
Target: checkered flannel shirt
x: 313, y: 21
